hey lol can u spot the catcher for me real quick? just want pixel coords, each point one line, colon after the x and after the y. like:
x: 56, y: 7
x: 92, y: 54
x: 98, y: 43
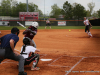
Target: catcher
x: 26, y: 50
x: 87, y: 27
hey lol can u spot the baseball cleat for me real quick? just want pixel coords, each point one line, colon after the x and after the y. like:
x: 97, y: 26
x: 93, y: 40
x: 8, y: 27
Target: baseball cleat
x: 91, y: 36
x: 35, y: 68
x: 22, y: 73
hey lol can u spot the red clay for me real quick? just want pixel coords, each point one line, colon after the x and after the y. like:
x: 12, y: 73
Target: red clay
x: 69, y: 51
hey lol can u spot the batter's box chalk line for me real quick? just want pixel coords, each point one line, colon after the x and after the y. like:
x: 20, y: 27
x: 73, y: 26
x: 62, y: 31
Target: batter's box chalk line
x: 5, y: 61
x: 57, y: 65
x: 59, y: 58
x: 42, y: 55
x: 72, y: 67
x: 17, y: 50
x: 78, y: 63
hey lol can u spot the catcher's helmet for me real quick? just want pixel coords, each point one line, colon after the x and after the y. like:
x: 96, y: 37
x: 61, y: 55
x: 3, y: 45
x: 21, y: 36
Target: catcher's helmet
x: 26, y: 41
x: 15, y: 30
x: 35, y: 24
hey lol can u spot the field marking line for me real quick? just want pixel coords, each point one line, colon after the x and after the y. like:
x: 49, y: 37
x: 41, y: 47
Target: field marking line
x: 73, y: 56
x: 16, y: 50
x: 55, y: 60
x: 59, y: 66
x: 59, y: 58
x: 5, y: 61
x: 74, y: 66
x: 43, y: 55
x: 10, y: 62
x: 93, y: 56
x: 81, y: 56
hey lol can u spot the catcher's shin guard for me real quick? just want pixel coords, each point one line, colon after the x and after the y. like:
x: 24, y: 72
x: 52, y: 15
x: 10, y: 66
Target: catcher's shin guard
x: 35, y: 62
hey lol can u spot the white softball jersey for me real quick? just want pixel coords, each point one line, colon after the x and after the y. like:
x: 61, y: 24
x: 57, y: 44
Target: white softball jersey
x: 47, y: 21
x: 86, y: 21
x: 28, y: 49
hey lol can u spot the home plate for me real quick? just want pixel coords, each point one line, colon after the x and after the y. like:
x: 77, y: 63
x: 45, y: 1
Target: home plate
x: 45, y: 59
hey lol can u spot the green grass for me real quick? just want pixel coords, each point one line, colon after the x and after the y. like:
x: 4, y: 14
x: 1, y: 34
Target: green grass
x: 52, y: 27
x: 9, y: 28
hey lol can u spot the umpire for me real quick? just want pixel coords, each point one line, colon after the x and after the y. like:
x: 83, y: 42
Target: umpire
x: 8, y: 43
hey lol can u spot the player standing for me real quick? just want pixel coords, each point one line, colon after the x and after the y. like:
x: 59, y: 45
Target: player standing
x: 8, y: 23
x: 48, y: 24
x: 87, y: 27
x: 26, y: 50
x: 8, y: 43
x: 31, y: 32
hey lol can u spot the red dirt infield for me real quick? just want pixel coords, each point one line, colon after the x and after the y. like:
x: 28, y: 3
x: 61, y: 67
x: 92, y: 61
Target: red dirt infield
x: 72, y: 53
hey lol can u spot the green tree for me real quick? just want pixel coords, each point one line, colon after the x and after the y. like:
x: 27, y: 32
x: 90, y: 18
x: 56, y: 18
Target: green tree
x: 67, y: 10
x: 98, y: 13
x: 95, y: 14
x: 12, y: 8
x: 88, y: 13
x: 40, y: 13
x: 56, y: 11
x: 14, y: 4
x: 0, y: 11
x: 21, y: 7
x: 91, y: 6
x: 79, y: 11
x: 6, y: 7
x: 32, y: 7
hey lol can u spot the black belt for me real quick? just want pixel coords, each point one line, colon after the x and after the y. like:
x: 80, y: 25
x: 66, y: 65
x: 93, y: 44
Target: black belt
x: 4, y: 48
x: 24, y: 53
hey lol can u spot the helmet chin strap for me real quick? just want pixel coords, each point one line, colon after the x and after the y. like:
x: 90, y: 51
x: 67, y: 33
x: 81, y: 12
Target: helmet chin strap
x: 17, y: 33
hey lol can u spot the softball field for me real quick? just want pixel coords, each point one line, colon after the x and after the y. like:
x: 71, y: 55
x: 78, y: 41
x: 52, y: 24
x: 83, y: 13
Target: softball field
x: 72, y: 53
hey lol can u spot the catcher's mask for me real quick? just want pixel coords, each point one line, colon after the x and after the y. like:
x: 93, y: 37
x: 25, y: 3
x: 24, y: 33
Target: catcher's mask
x: 26, y: 41
x: 15, y: 30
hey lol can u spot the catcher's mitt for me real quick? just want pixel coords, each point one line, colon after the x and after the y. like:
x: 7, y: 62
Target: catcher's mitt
x: 90, y: 26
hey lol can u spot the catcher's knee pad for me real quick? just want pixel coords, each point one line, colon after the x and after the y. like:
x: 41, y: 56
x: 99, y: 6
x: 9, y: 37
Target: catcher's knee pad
x: 37, y: 56
x: 36, y: 60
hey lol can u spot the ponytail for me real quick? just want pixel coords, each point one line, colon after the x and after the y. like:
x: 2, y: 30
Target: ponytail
x: 23, y: 50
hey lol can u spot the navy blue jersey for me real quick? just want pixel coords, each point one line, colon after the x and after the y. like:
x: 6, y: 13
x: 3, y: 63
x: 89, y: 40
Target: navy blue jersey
x: 5, y: 40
